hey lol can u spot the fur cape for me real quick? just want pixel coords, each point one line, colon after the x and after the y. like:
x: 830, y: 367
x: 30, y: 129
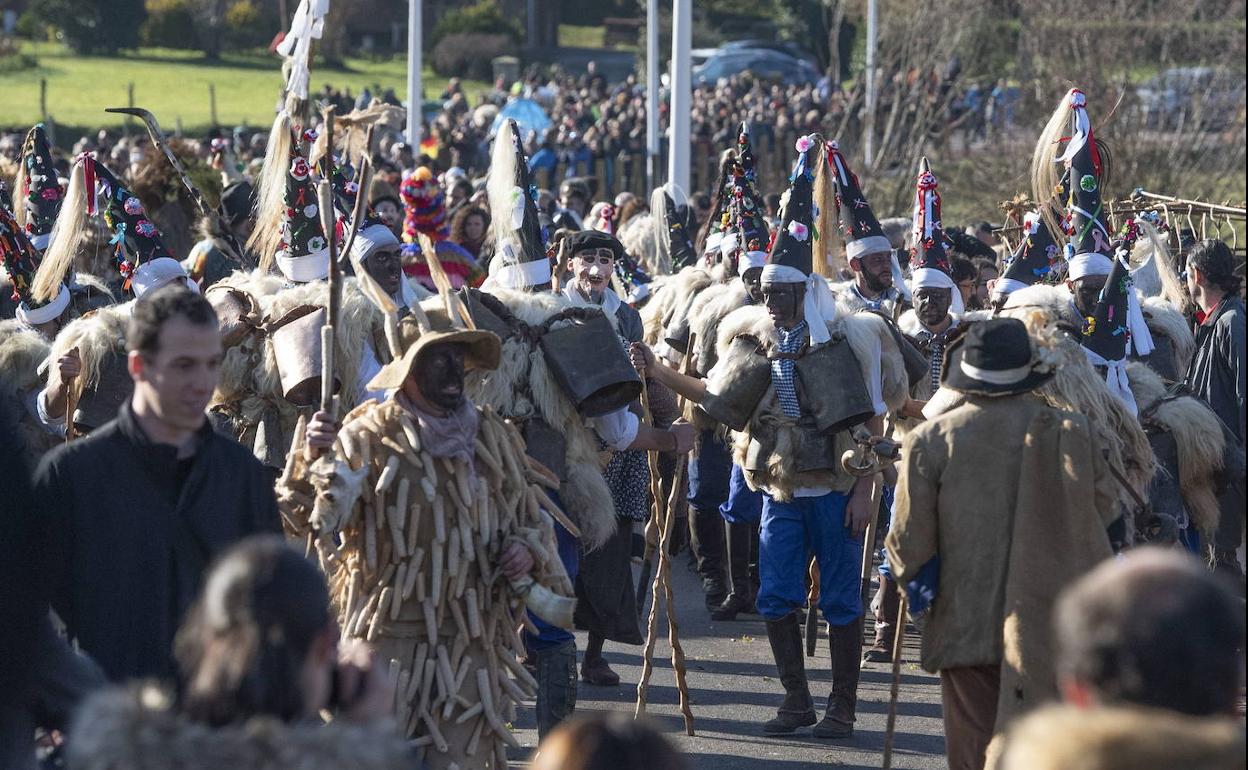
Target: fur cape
x: 711, y: 306
x: 1165, y: 321
x: 639, y: 241
x: 1077, y: 387
x: 1123, y: 738
x: 878, y: 358
x: 138, y: 728
x: 22, y: 353
x: 96, y: 335
x: 671, y: 299
x: 1198, y: 435
x: 522, y: 387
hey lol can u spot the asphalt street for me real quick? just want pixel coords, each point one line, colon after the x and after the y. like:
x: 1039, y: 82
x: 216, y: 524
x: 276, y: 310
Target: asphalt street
x: 733, y: 689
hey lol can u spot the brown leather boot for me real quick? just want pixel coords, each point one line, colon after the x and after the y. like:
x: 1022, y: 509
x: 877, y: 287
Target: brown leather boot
x: 886, y: 605
x: 798, y: 708
x: 838, y: 720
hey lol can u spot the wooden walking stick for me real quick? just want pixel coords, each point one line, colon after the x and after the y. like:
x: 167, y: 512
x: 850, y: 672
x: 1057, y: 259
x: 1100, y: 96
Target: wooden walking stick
x: 666, y: 517
x: 325, y: 203
x: 812, y: 609
x: 895, y: 689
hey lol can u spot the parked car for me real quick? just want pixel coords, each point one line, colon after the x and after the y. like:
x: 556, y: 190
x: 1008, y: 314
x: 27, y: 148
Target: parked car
x: 1209, y: 96
x: 763, y: 63
x: 786, y: 47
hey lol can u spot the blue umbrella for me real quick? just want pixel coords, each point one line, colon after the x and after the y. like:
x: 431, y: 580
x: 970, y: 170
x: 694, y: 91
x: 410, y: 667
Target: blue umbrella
x: 527, y: 113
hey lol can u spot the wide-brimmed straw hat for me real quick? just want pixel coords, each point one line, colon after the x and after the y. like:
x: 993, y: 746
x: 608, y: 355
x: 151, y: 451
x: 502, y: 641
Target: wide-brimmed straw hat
x: 994, y: 358
x: 482, y: 348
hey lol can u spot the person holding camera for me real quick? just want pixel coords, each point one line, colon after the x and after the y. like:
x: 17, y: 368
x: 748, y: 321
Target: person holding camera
x: 259, y: 662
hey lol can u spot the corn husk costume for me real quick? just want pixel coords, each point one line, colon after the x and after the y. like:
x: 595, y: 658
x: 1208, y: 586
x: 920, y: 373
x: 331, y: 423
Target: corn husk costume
x: 409, y: 521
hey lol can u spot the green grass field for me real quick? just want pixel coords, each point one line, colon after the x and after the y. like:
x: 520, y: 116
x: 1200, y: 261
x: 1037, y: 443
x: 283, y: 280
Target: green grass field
x: 174, y: 85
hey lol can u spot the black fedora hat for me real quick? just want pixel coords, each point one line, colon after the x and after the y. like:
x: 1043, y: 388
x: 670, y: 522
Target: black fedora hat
x: 993, y: 358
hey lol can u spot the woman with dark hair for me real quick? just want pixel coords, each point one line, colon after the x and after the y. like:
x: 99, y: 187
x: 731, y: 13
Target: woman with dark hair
x: 259, y: 661
x: 469, y: 227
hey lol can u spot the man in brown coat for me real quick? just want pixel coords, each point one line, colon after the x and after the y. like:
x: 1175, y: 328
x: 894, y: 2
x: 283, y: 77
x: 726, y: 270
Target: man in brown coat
x: 1014, y: 498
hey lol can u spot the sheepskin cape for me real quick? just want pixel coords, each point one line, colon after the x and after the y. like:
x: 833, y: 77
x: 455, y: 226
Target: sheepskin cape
x: 880, y: 365
x: 523, y: 388
x: 138, y: 728
x: 22, y: 352
x: 1198, y: 447
x: 1123, y: 738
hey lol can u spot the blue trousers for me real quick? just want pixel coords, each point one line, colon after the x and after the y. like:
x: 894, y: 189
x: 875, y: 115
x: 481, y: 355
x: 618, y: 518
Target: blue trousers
x: 708, y: 473
x: 790, y: 533
x: 548, y: 635
x: 744, y: 505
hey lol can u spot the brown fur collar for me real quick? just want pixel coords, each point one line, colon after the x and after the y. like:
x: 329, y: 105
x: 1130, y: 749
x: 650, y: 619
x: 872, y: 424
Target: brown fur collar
x: 137, y: 728
x: 1065, y: 738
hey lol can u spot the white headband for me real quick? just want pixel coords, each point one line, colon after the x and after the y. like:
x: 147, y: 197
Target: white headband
x: 1091, y: 263
x: 932, y: 278
x: 371, y: 238
x: 29, y: 316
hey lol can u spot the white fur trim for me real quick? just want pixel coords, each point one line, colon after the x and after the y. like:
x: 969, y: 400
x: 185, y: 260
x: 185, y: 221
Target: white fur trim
x: 1091, y: 263
x: 41, y: 241
x: 872, y: 244
x: 305, y: 269
x: 28, y: 316
x: 158, y: 272
x: 371, y: 238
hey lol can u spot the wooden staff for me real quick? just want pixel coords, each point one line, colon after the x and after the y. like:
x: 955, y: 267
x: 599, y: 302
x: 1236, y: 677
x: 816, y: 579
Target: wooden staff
x: 325, y: 202
x: 891, y: 725
x: 662, y: 580
x: 812, y: 609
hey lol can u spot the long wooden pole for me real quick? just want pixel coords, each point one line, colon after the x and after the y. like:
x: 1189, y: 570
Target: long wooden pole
x: 890, y: 728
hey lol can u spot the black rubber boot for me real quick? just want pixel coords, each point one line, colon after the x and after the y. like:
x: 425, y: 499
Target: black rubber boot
x: 838, y: 720
x: 556, y: 686
x: 798, y: 708
x: 742, y: 597
x: 886, y: 605
x: 707, y: 542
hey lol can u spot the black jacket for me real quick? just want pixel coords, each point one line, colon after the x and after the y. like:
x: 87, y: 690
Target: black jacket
x: 128, y: 543
x: 1216, y: 374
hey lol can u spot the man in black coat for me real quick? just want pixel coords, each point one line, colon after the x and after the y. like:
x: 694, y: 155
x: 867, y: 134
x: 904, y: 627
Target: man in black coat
x: 135, y: 512
x: 1216, y: 375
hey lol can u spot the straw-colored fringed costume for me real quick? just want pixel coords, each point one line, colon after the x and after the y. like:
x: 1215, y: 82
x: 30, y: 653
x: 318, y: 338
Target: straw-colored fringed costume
x: 1173, y: 341
x: 523, y: 390
x: 770, y: 448
x: 1189, y: 443
x: 410, y: 543
x: 672, y: 299
x: 97, y: 335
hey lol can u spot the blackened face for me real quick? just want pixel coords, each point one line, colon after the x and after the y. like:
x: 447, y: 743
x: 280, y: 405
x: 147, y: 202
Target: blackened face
x: 386, y: 268
x: 784, y: 302
x: 439, y: 376
x: 753, y: 279
x: 932, y: 304
x: 1087, y: 291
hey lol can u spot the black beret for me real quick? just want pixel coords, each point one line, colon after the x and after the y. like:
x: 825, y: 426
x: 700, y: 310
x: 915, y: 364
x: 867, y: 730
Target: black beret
x: 594, y: 239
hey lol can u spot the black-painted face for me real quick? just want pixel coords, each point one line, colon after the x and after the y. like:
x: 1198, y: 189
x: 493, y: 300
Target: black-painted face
x: 753, y: 279
x: 386, y: 268
x: 1087, y: 291
x: 439, y: 375
x: 784, y: 302
x: 931, y: 304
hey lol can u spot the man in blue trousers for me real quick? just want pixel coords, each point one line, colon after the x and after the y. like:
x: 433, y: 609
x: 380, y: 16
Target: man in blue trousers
x: 791, y: 366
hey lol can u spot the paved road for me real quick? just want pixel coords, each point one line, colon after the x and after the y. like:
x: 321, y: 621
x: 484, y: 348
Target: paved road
x: 733, y: 688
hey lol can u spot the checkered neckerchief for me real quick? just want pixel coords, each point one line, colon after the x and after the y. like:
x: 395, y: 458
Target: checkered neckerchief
x: 791, y: 341
x: 936, y: 353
